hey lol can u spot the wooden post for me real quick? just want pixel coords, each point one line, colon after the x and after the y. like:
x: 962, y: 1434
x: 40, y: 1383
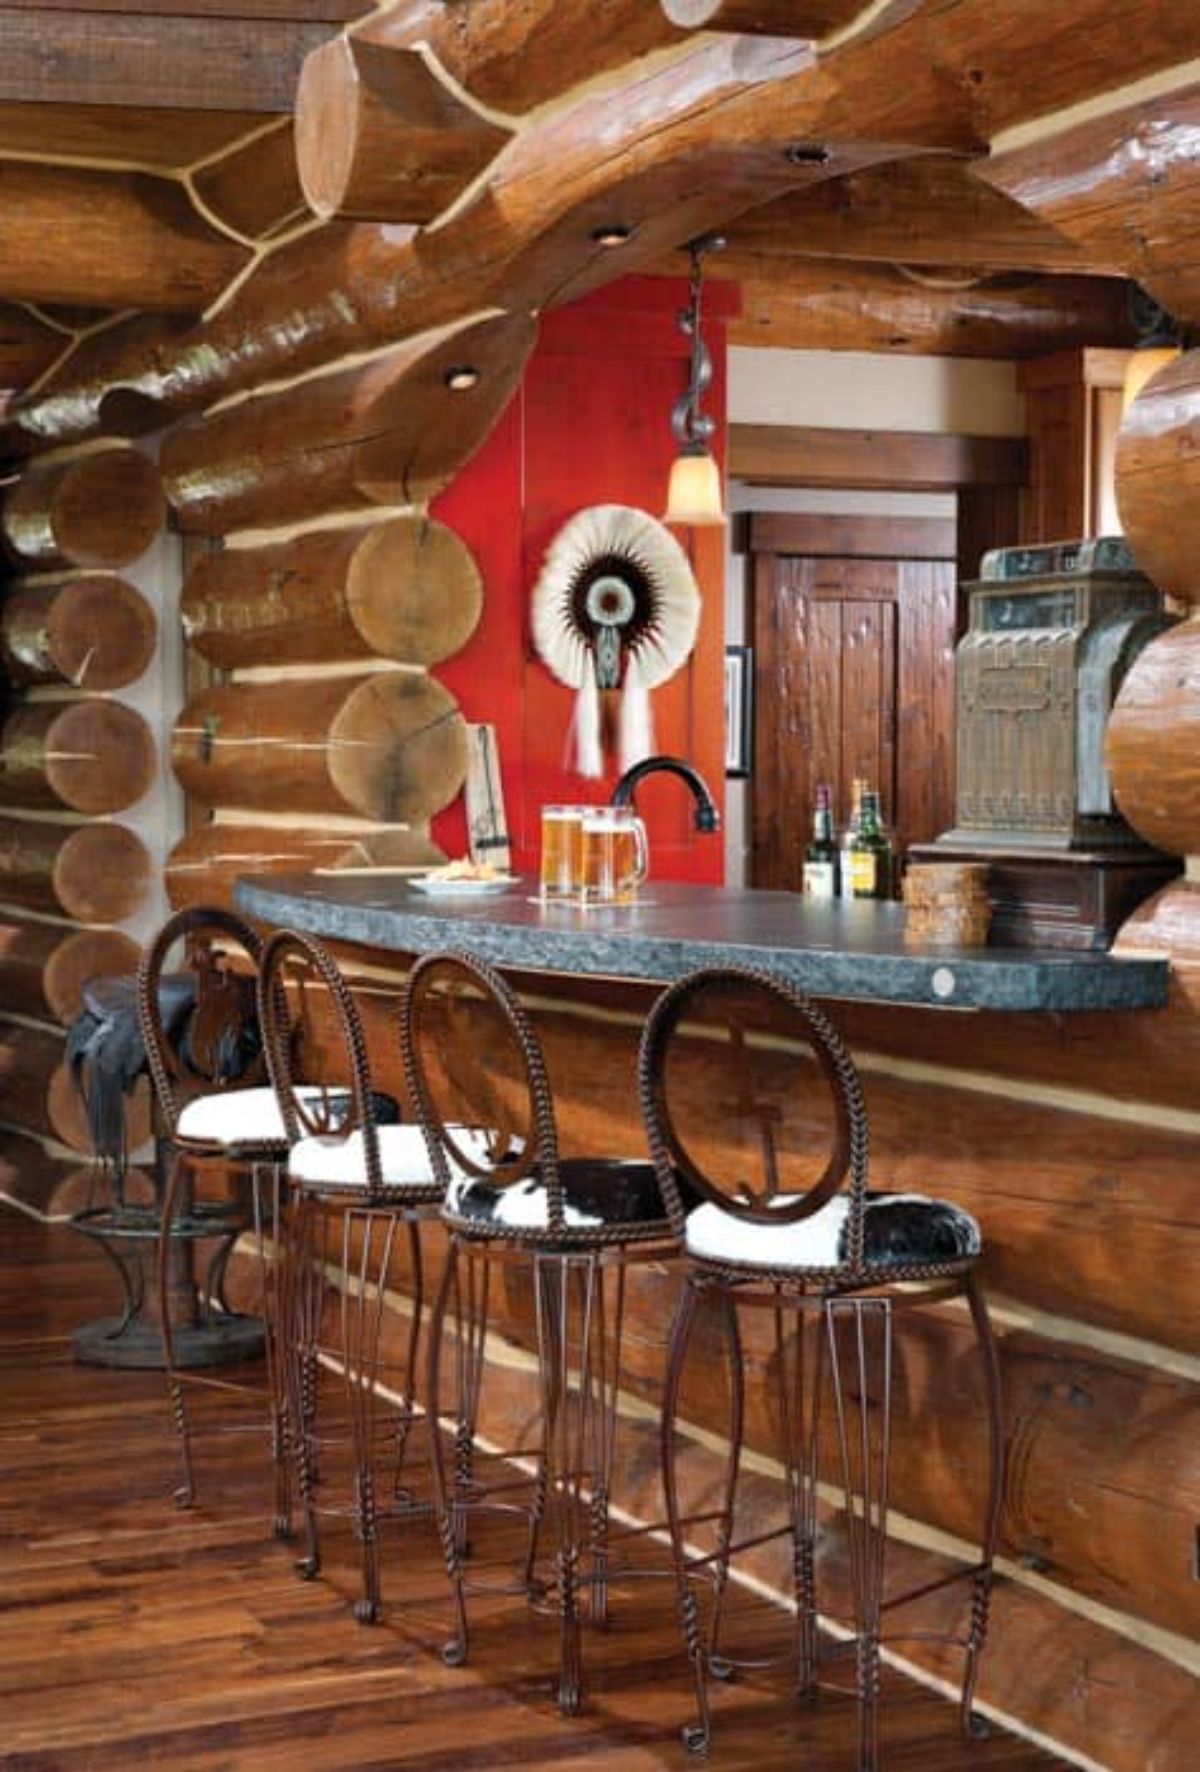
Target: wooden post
x: 96, y: 873
x: 94, y: 631
x: 90, y: 756
x: 391, y: 746
x: 406, y: 589
x: 103, y: 508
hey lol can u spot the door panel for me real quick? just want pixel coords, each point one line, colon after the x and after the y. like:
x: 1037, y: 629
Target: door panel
x: 854, y: 676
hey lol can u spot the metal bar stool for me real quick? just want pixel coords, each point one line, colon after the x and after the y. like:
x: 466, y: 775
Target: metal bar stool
x: 473, y: 1061
x: 222, y: 1141
x: 361, y: 1185
x: 749, y: 1094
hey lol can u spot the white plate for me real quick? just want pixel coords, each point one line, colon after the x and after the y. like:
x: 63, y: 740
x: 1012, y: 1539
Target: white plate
x: 450, y: 888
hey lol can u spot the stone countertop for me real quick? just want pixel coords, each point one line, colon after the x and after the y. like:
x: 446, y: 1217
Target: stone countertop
x: 839, y: 950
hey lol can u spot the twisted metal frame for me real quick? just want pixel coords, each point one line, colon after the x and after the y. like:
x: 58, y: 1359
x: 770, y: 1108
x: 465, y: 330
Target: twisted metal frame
x: 187, y: 1217
x: 579, y: 1294
x: 341, y: 1253
x: 850, y: 1308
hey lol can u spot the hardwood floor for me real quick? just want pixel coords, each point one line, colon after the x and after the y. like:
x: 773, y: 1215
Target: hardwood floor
x: 132, y: 1633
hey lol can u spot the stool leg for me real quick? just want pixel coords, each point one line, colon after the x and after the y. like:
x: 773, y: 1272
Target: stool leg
x: 718, y: 1666
x: 695, y: 1735
x: 796, y: 1454
x: 185, y: 1494
x: 603, y: 1328
x: 565, y: 1432
x: 269, y: 1176
x: 454, y: 1654
x: 362, y: 1303
x: 975, y: 1726
x: 302, y: 1314
x: 864, y: 1457
x: 408, y: 1399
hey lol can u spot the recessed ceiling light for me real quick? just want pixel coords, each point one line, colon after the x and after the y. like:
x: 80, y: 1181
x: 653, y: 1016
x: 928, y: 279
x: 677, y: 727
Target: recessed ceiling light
x: 613, y: 234
x: 461, y: 377
x: 808, y: 154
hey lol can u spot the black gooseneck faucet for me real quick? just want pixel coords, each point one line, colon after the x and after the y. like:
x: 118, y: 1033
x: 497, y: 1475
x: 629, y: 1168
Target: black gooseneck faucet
x: 707, y: 816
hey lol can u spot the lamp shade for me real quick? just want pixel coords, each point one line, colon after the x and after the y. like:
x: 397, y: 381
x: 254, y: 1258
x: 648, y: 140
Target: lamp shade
x: 1141, y: 366
x: 694, y: 490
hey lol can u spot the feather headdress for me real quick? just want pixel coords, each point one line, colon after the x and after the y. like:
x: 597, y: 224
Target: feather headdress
x: 616, y: 606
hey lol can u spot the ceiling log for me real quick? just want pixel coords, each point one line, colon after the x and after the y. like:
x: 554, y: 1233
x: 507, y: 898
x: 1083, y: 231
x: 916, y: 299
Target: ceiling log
x: 513, y: 57
x: 775, y: 18
x: 391, y: 431
x: 1126, y: 188
x: 153, y: 62
x: 254, y: 188
x: 837, y: 306
x: 380, y: 133
x: 928, y: 210
x: 110, y: 239
x: 121, y: 135
x: 28, y: 346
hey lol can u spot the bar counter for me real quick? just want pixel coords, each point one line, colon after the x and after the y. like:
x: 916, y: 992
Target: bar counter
x: 844, y: 950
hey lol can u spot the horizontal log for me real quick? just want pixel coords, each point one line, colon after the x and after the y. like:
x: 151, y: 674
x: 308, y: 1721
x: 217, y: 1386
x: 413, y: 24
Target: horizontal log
x: 109, y: 239
x: 255, y: 187
x: 28, y: 346
x: 124, y: 135
x: 204, y: 866
x: 62, y: 57
x: 46, y: 1098
x: 90, y: 756
x: 393, y: 431
x: 103, y: 508
x: 1157, y: 473
x: 1121, y: 187
x: 928, y: 210
x: 406, y: 589
x: 777, y: 18
x: 513, y: 58
x: 95, y: 631
x: 1152, y: 743
x: 44, y: 967
x: 392, y: 746
x: 29, y: 1173
x: 96, y: 873
x: 839, y: 306
x: 67, y: 402
x: 380, y: 134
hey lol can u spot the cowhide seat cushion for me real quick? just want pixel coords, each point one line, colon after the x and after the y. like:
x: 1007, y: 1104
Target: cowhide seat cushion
x: 898, y: 1230
x: 597, y: 1194
x: 337, y: 1163
x: 250, y: 1118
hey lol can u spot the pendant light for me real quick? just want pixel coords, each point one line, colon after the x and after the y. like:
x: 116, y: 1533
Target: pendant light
x: 694, y: 489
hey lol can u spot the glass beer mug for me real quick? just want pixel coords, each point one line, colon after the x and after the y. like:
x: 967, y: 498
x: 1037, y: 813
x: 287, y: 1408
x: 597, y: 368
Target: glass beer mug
x: 615, y: 857
x: 562, y: 852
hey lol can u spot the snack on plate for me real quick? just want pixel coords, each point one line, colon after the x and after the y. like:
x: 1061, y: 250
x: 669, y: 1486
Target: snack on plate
x: 464, y: 869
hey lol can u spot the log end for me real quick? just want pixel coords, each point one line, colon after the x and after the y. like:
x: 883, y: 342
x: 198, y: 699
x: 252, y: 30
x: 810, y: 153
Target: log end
x: 398, y: 750
x: 86, y: 953
x: 414, y: 591
x: 1153, y: 741
x: 101, y: 873
x: 100, y: 756
x: 101, y: 633
x: 380, y: 137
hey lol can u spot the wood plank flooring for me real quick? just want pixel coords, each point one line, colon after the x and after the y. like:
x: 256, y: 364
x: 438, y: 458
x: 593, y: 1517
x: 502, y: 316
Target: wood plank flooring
x: 133, y: 1633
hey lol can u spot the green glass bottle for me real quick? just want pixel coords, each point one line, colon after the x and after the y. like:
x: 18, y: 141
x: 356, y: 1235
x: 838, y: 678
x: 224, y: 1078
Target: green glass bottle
x: 870, y: 853
x: 821, y: 858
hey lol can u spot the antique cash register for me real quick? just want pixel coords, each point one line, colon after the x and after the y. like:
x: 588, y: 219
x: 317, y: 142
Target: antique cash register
x: 1052, y: 631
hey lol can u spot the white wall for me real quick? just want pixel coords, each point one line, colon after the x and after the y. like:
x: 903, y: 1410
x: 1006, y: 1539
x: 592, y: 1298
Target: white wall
x: 848, y: 390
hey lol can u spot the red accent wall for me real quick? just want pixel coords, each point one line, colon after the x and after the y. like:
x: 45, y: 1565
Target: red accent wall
x: 590, y: 425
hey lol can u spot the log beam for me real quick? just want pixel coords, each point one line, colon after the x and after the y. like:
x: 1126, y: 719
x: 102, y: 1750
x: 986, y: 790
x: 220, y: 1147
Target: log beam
x: 204, y: 867
x: 62, y: 56
x: 93, y: 630
x: 1158, y: 478
x: 928, y: 210
x: 407, y: 589
x: 774, y: 18
x: 96, y: 873
x: 390, y: 746
x: 28, y: 346
x: 109, y: 240
x: 1125, y: 188
x: 255, y: 187
x: 839, y: 306
x: 103, y: 508
x: 392, y: 432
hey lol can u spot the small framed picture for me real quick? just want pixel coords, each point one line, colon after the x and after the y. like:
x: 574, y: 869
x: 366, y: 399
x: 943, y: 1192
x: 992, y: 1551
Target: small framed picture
x: 739, y: 710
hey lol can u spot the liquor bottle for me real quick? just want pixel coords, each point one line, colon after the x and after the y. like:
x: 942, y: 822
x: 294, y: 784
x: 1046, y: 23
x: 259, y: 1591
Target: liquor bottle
x: 850, y: 831
x: 821, y: 870
x: 870, y: 853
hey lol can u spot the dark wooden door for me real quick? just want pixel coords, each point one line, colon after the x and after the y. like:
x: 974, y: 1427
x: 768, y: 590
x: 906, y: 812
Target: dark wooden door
x: 854, y: 676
